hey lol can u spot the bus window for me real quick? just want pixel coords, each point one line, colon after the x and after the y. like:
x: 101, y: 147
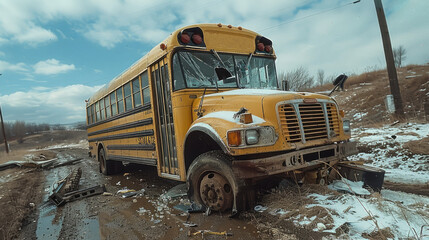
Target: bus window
x: 88, y: 115
x: 97, y: 111
x: 113, y: 103
x: 145, y: 88
x: 178, y: 81
x: 258, y: 72
x: 102, y: 109
x: 199, y: 69
x: 127, y: 95
x: 107, y: 103
x: 120, y: 100
x: 92, y: 114
x: 136, y: 93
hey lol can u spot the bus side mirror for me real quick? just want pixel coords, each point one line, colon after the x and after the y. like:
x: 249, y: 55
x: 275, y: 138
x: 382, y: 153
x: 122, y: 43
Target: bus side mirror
x: 222, y: 73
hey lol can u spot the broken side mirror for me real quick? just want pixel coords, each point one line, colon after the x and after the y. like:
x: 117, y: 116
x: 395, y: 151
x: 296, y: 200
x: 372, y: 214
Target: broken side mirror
x: 339, y: 83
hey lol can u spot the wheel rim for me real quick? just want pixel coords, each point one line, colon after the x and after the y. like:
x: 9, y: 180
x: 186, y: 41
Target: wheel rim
x: 216, y: 192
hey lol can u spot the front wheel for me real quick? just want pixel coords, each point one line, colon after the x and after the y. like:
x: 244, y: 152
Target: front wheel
x: 211, y: 181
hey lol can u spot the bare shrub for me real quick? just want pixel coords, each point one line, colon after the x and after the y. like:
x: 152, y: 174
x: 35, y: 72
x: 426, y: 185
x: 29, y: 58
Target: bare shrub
x: 298, y: 79
x: 399, y: 55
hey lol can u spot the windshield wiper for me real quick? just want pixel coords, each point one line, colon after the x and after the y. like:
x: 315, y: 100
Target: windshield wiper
x: 218, y: 57
x: 248, y: 60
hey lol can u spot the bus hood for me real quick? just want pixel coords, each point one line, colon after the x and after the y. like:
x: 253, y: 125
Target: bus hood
x: 259, y: 102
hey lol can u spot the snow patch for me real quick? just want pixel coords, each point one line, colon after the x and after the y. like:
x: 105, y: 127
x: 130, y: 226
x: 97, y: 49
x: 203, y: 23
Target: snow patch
x: 229, y: 116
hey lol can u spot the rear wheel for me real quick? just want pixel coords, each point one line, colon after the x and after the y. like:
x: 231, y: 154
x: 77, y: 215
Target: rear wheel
x: 108, y: 167
x: 211, y: 181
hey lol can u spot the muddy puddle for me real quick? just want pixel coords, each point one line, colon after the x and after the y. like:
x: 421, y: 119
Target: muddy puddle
x: 57, y: 222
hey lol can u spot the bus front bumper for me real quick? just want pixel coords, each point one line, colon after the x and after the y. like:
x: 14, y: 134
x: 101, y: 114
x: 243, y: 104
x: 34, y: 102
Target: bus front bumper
x: 304, y: 159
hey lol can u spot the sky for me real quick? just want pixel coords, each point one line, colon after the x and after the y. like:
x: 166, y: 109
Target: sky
x: 56, y: 54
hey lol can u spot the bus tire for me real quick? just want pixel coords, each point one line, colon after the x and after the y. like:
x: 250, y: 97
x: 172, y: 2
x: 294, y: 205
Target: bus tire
x: 211, y: 182
x: 108, y: 167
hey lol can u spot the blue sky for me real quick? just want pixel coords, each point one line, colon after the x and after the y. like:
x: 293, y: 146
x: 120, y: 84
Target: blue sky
x: 56, y: 54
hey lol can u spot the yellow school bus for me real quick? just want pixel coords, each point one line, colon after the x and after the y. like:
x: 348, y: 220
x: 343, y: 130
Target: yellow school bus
x: 205, y: 107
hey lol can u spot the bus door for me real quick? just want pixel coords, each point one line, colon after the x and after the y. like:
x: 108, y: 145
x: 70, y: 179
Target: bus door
x: 164, y: 120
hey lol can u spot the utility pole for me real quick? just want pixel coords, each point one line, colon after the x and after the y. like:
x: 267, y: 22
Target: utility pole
x: 390, y: 63
x: 4, y: 133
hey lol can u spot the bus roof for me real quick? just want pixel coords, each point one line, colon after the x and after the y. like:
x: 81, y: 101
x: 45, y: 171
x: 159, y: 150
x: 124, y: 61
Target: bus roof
x: 171, y: 42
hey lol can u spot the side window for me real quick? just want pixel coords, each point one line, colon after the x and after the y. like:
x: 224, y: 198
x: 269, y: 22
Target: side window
x: 120, y: 100
x: 97, y: 111
x: 136, y: 93
x: 102, y: 109
x: 107, y: 103
x: 127, y: 94
x: 113, y: 104
x: 88, y: 115
x: 145, y: 88
x: 92, y: 114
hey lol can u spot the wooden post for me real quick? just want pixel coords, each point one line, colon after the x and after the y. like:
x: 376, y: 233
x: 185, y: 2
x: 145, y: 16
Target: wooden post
x: 4, y: 132
x: 391, y: 69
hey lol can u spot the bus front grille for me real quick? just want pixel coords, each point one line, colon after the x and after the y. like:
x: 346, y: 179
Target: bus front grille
x: 304, y: 122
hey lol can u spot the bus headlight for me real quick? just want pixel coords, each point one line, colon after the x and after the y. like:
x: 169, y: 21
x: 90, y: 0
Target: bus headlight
x: 252, y: 136
x: 346, y: 126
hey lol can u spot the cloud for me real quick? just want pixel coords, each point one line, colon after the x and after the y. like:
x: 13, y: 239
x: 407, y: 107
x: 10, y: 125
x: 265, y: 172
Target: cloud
x: 51, y: 67
x: 19, y: 67
x: 317, y: 34
x: 51, y: 105
x: 34, y: 35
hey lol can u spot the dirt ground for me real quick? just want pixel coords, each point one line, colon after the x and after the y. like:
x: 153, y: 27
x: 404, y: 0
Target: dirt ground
x: 26, y: 212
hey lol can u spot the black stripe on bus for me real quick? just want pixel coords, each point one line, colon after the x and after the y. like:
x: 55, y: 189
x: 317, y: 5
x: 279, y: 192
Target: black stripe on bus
x: 132, y: 147
x: 146, y: 161
x: 124, y: 114
x: 124, y: 135
x: 140, y: 123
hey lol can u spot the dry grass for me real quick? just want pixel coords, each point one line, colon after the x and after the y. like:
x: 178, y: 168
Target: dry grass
x: 382, y: 234
x: 365, y: 93
x: 418, y: 146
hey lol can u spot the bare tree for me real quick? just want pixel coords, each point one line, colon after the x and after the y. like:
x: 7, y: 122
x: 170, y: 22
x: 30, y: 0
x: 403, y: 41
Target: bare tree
x: 298, y: 79
x: 321, y: 77
x: 399, y: 55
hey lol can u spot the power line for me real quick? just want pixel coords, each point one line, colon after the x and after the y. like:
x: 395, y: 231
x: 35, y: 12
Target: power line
x: 311, y: 15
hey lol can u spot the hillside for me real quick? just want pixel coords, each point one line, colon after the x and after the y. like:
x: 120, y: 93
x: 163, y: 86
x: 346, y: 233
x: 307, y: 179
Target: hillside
x: 364, y: 95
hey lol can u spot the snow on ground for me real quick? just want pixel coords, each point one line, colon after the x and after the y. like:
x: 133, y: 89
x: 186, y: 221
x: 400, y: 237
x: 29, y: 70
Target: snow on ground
x: 83, y: 144
x: 347, y: 216
x: 404, y: 214
x: 384, y: 148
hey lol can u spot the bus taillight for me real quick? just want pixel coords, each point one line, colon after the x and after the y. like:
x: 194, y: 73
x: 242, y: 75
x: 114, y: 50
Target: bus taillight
x: 263, y: 45
x: 184, y: 38
x: 191, y: 37
x: 197, y: 39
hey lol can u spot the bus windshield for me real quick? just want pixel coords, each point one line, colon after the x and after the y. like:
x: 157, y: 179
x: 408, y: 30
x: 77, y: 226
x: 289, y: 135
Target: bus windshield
x: 197, y: 70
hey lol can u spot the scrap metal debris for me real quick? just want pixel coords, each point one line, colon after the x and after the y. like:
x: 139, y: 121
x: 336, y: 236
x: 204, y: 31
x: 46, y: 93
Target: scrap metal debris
x: 67, y: 189
x: 47, y: 164
x: 208, y: 232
